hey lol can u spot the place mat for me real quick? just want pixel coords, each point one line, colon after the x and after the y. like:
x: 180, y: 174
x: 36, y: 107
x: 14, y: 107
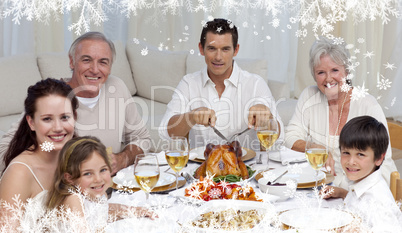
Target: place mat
x: 327, y: 180
x: 250, y: 154
x: 165, y: 188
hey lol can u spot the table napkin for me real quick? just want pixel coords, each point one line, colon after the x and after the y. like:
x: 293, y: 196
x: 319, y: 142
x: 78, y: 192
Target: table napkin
x: 286, y: 156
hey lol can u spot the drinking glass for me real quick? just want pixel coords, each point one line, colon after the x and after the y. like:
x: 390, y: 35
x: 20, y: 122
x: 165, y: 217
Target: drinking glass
x: 146, y: 172
x: 268, y: 134
x: 316, y: 155
x: 177, y: 151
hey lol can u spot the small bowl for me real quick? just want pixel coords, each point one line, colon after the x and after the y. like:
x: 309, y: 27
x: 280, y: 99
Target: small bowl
x: 285, y: 188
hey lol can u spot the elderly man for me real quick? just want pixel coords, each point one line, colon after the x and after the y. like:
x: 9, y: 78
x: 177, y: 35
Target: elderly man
x: 106, y: 108
x: 222, y: 94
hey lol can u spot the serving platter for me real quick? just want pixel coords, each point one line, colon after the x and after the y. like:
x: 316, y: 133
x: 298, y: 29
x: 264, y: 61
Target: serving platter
x: 180, y: 193
x: 262, y: 209
x: 323, y: 219
x: 305, y: 179
x: 197, y: 154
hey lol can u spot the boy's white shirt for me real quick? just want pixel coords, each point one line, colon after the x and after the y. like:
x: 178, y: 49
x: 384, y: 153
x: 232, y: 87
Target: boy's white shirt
x: 372, y: 200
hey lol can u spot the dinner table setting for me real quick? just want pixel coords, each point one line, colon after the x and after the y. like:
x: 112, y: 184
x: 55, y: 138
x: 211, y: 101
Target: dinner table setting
x: 281, y: 194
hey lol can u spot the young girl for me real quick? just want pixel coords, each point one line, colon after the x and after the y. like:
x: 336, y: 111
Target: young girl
x: 32, y: 156
x: 81, y: 181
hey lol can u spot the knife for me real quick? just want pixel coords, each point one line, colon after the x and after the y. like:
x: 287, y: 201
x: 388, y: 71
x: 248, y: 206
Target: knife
x: 219, y: 133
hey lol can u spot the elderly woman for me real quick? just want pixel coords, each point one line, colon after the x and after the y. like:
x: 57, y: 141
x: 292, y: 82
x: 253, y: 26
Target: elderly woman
x: 324, y: 109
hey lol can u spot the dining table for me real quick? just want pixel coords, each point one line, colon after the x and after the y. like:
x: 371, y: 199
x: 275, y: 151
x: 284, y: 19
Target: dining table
x: 174, y: 211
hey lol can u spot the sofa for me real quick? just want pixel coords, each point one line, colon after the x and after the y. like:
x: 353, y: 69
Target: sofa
x: 150, y: 74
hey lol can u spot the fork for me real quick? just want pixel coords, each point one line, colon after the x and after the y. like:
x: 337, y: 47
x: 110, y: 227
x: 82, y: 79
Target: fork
x: 238, y: 134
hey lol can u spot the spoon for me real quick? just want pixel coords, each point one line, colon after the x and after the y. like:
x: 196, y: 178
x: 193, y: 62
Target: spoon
x: 274, y: 181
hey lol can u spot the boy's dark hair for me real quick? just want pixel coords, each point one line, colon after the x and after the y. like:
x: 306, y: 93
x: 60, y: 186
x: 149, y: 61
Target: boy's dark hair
x: 219, y: 26
x: 363, y: 132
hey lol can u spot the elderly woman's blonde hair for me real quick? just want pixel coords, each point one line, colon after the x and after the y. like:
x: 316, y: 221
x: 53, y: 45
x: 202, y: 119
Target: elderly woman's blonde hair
x: 324, y: 46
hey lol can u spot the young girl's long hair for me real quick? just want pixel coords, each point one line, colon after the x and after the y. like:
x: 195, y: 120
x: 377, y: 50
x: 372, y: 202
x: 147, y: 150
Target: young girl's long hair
x: 74, y: 152
x: 25, y: 138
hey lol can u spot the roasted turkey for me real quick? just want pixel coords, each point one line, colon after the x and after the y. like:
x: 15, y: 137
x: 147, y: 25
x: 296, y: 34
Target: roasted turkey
x: 222, y: 160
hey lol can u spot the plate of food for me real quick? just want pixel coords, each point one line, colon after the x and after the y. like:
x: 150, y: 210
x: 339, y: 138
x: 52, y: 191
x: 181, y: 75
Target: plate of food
x: 324, y: 219
x: 304, y: 175
x: 197, y: 154
x: 229, y: 216
x: 206, y: 189
x: 125, y: 178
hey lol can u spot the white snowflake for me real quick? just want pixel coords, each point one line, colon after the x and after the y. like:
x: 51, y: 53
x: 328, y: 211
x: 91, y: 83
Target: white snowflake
x: 359, y: 92
x: 47, y: 146
x: 361, y: 40
x: 219, y: 29
x: 136, y: 41
x: 275, y: 22
x: 357, y: 51
x: 368, y: 54
x: 144, y: 52
x: 389, y: 66
x: 245, y: 24
x: 338, y: 40
x: 345, y: 87
x: 393, y: 101
x: 383, y: 84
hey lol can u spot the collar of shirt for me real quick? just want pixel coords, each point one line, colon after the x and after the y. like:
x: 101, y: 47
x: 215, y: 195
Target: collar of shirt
x: 362, y: 186
x: 234, y: 77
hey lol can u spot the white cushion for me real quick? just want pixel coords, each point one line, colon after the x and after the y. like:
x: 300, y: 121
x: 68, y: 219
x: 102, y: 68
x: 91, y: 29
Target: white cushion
x: 152, y: 113
x: 121, y: 67
x: 256, y: 66
x: 156, y: 73
x: 17, y: 74
x: 54, y: 65
x: 57, y: 65
x: 286, y: 109
x: 279, y: 90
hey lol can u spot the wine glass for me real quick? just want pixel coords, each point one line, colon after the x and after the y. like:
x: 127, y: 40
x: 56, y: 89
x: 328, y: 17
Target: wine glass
x: 268, y: 133
x: 177, y: 154
x: 316, y: 155
x: 146, y: 172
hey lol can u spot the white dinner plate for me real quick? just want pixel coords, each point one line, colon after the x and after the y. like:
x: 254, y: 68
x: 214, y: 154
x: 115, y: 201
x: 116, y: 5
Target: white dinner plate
x: 198, y: 153
x: 221, y: 205
x: 322, y: 218
x: 125, y: 177
x: 304, y: 174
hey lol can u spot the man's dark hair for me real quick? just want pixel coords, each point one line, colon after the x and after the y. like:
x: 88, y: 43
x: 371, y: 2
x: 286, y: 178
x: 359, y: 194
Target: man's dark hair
x: 364, y: 132
x: 219, y: 26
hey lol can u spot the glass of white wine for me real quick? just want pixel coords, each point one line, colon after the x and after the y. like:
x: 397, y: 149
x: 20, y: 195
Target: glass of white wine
x: 316, y: 155
x: 268, y: 134
x: 177, y: 151
x: 146, y: 172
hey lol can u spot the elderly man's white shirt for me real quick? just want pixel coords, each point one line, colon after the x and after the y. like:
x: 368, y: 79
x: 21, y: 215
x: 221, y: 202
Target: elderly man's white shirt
x: 242, y: 90
x: 372, y: 200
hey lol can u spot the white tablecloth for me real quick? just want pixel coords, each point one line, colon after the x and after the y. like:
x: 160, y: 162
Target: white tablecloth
x: 173, y: 212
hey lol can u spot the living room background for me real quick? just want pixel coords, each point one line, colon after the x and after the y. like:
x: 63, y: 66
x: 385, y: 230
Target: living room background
x: 279, y: 37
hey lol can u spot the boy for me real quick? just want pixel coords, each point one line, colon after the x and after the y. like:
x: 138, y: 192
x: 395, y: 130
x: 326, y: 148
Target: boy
x: 363, y: 142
